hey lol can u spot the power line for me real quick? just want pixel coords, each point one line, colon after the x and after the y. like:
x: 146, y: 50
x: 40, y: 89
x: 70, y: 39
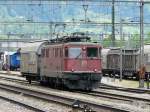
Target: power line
x: 23, y: 2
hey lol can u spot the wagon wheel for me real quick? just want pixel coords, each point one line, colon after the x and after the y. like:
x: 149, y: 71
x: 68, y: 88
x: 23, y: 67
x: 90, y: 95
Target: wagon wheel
x: 29, y: 80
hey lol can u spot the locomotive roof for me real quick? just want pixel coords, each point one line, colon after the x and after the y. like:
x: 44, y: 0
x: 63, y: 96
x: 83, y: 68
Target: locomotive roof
x: 124, y: 50
x: 33, y: 47
x: 82, y: 43
x: 75, y: 43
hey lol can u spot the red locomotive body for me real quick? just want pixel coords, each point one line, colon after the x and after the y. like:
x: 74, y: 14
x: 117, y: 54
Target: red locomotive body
x: 82, y: 58
x: 76, y: 65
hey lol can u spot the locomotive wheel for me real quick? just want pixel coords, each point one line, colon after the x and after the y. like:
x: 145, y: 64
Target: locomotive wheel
x: 41, y: 82
x: 125, y: 77
x: 137, y: 78
x: 29, y: 80
x: 88, y: 89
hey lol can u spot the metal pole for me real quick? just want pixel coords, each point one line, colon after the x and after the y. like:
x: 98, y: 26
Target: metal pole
x: 113, y: 23
x: 8, y: 60
x: 8, y: 35
x: 141, y: 81
x: 85, y: 7
x: 120, y: 64
x: 51, y: 32
x: 121, y: 38
x: 121, y: 28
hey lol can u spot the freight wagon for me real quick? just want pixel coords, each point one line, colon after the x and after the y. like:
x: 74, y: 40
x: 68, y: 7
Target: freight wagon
x: 15, y: 61
x: 11, y: 60
x: 116, y: 58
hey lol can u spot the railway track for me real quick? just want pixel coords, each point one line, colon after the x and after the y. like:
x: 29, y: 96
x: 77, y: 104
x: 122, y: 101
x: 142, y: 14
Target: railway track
x: 132, y: 90
x: 59, y: 99
x: 22, y: 104
x: 110, y: 96
x: 102, y: 86
x: 120, y: 97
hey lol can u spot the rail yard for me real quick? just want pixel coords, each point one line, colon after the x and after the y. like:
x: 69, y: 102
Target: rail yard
x: 74, y: 55
x: 112, y: 99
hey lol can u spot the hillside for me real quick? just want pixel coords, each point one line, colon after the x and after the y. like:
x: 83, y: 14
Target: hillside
x: 68, y: 13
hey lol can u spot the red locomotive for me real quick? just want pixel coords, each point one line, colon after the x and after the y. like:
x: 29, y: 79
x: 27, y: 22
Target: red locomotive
x: 69, y: 62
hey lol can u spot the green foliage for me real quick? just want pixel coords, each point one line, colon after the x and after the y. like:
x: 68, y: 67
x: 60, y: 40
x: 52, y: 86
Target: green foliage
x: 3, y: 37
x: 147, y: 40
x: 134, y: 40
x: 107, y: 41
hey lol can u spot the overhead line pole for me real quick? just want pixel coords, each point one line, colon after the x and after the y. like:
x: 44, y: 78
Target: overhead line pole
x: 113, y: 23
x: 141, y: 80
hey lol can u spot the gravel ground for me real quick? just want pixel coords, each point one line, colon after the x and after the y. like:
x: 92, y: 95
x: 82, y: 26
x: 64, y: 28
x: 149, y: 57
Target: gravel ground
x: 123, y: 83
x: 134, y: 107
x: 44, y: 105
x: 11, y: 107
x: 17, y: 73
x: 12, y: 76
x: 142, y: 95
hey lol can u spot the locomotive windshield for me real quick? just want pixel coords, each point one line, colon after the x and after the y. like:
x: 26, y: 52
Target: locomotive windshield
x: 92, y: 52
x: 74, y: 52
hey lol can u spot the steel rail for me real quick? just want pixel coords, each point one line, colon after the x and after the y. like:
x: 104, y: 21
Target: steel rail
x: 119, y: 96
x: 102, y: 94
x: 106, y: 96
x: 22, y: 104
x: 95, y: 94
x: 102, y: 85
x: 58, y: 99
x: 24, y: 81
x: 133, y: 90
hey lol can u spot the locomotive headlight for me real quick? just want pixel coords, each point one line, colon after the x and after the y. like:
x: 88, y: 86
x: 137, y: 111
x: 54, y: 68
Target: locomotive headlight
x: 72, y: 70
x: 84, y: 48
x: 95, y: 70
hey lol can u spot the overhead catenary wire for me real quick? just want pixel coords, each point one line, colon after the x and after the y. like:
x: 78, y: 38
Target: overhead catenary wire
x: 76, y: 23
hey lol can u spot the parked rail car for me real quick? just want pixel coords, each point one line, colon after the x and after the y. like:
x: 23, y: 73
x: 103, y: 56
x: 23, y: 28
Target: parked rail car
x: 75, y: 65
x: 129, y: 62
x: 146, y: 58
x: 11, y: 60
x: 104, y: 53
x: 30, y: 60
x: 15, y: 61
x: 1, y: 60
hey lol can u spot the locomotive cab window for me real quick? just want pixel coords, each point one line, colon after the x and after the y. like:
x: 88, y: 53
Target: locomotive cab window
x: 92, y: 52
x: 74, y: 52
x: 100, y: 56
x: 66, y: 52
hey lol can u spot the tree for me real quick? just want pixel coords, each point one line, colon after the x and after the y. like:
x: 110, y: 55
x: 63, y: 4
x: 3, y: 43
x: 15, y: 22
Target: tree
x: 107, y: 41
